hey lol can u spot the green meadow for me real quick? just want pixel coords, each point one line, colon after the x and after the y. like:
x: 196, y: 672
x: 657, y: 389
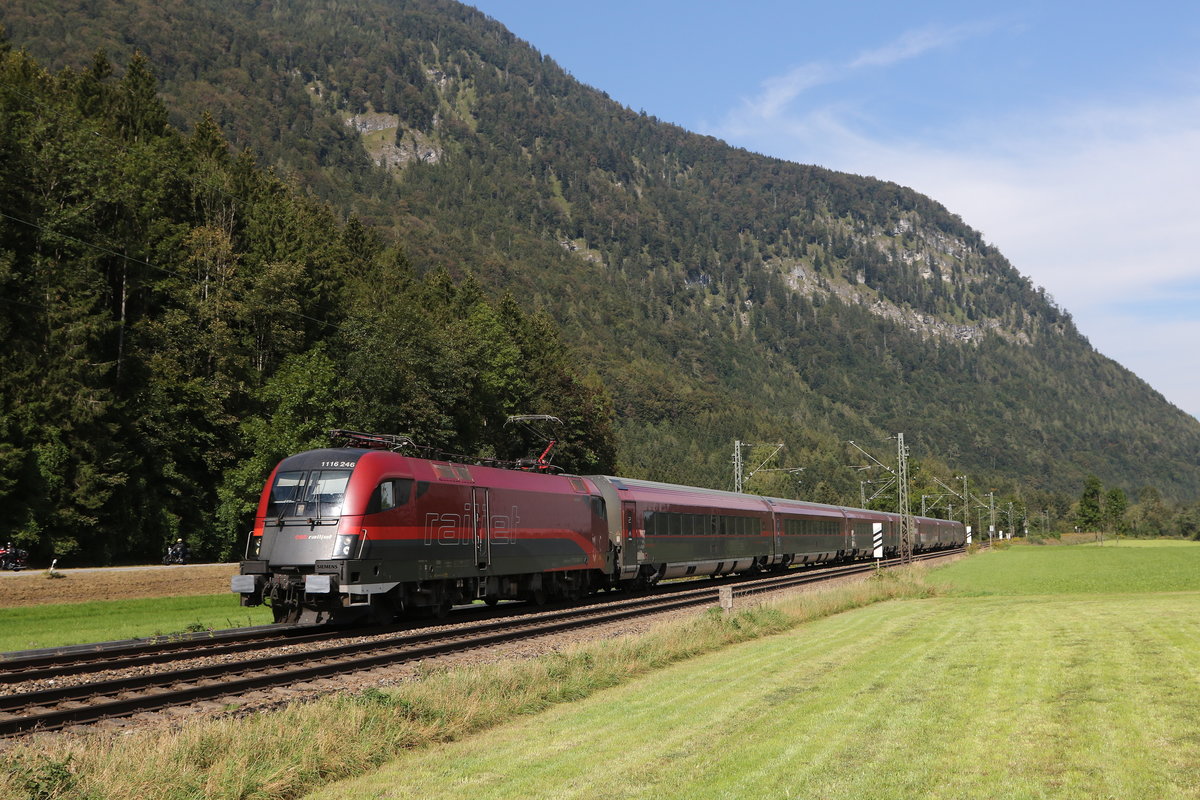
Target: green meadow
x: 1119, y: 567
x: 1031, y: 672
x: 33, y: 627
x: 1068, y: 672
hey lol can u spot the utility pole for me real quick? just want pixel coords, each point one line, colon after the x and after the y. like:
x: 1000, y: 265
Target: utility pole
x: 966, y: 498
x: 992, y: 511
x: 739, y: 466
x: 906, y: 521
x: 977, y: 503
x: 900, y: 477
x: 937, y: 499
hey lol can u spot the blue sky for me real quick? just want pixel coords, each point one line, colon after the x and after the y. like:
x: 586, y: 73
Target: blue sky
x: 1067, y: 133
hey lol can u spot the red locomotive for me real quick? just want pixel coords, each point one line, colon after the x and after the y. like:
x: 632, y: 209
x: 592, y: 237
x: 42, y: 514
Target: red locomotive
x: 367, y: 532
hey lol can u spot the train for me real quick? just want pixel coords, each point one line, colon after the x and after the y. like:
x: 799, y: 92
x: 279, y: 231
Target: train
x: 366, y: 533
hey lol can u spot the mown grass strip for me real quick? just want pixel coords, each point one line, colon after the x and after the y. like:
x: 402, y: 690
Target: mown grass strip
x: 284, y: 754
x: 1079, y: 697
x: 30, y: 627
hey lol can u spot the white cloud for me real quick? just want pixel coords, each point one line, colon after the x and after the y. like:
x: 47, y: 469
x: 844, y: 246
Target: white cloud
x: 912, y: 44
x: 780, y: 91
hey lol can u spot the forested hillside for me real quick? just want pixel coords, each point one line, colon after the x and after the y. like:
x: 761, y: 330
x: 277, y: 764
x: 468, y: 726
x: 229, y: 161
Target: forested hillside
x: 175, y: 321
x: 716, y: 294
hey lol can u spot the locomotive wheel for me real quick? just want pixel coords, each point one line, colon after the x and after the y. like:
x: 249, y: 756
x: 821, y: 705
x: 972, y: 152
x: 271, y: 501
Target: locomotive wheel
x: 285, y: 614
x: 492, y: 600
x: 441, y: 610
x: 383, y: 612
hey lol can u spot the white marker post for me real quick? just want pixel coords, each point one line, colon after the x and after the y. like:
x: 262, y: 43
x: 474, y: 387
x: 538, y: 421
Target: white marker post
x: 725, y: 593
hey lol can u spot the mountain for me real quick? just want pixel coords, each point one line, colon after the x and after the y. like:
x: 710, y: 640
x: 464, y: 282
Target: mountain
x: 719, y: 294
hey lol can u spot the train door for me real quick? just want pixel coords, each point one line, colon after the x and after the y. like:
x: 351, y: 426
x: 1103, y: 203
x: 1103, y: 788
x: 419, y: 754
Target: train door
x: 481, y: 525
x: 776, y: 537
x: 635, y: 550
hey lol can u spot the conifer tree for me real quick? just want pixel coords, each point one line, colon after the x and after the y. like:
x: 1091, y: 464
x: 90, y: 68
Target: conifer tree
x: 1090, y: 516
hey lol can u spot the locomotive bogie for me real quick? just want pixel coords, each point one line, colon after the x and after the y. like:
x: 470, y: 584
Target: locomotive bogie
x: 707, y: 568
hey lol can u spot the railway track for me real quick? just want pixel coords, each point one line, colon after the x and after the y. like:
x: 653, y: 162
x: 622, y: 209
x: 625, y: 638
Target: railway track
x: 79, y: 659
x: 87, y: 702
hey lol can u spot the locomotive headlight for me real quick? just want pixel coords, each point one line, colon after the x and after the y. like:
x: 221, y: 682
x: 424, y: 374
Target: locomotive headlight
x: 343, y: 546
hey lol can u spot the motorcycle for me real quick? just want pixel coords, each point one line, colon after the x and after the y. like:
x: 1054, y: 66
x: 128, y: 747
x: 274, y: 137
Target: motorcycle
x: 13, y: 558
x: 177, y: 555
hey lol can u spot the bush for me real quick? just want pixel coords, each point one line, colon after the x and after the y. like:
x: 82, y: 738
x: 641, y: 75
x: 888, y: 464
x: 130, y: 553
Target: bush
x: 45, y: 778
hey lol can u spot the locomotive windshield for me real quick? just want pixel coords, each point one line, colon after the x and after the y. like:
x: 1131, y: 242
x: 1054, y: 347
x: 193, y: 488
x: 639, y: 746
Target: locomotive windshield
x: 314, y: 495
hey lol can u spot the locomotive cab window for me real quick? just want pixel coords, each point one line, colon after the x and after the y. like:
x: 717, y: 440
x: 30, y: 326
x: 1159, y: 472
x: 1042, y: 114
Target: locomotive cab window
x: 326, y: 489
x: 284, y: 492
x: 317, y: 494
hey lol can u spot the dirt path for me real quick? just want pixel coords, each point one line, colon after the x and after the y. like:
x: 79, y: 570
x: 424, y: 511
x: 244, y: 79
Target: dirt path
x: 119, y: 583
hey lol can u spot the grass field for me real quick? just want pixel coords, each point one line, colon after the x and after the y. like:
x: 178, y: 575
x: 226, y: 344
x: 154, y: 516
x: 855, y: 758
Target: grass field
x: 1089, y: 690
x: 1127, y: 566
x: 30, y: 627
